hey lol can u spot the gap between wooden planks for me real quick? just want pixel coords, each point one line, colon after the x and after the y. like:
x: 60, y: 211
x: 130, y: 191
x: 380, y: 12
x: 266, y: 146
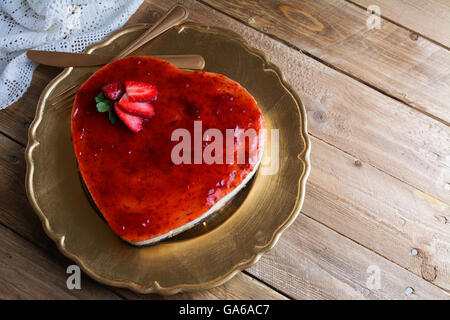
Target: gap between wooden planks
x: 429, y: 18
x: 314, y: 262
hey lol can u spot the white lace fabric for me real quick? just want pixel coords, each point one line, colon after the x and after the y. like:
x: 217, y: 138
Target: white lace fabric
x: 53, y: 25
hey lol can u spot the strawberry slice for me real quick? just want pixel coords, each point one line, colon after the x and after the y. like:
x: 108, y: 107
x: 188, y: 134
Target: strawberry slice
x: 142, y: 109
x: 134, y: 123
x: 113, y: 90
x: 138, y: 91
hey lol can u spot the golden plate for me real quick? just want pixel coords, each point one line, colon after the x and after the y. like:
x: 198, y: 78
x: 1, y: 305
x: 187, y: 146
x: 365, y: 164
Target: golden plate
x: 205, y: 256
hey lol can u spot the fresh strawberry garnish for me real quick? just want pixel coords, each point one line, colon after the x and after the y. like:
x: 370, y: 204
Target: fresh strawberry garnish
x: 113, y: 90
x: 134, y: 123
x: 138, y: 91
x: 142, y: 109
x: 134, y: 104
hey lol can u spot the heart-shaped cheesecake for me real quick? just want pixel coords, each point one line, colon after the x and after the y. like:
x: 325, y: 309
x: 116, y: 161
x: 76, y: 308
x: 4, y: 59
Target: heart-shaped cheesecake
x: 183, y: 145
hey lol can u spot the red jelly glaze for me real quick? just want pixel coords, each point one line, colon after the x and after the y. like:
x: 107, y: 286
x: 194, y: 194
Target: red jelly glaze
x: 130, y: 176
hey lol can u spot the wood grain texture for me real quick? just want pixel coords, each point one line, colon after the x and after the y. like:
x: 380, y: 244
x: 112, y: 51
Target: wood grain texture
x: 430, y: 18
x: 391, y: 59
x: 16, y: 214
x: 27, y: 272
x: 380, y: 212
x: 241, y: 287
x: 15, y: 210
x: 313, y: 262
x: 15, y: 119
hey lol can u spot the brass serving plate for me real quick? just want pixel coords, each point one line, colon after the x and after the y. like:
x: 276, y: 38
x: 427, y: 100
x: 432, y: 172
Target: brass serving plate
x: 211, y: 253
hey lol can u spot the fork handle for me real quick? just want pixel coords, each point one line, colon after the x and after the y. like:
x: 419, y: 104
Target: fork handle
x: 174, y: 16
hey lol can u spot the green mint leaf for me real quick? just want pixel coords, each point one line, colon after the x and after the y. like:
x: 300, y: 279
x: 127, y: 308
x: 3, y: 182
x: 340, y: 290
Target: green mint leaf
x: 103, y: 103
x: 100, y: 97
x: 113, y: 118
x: 103, y: 106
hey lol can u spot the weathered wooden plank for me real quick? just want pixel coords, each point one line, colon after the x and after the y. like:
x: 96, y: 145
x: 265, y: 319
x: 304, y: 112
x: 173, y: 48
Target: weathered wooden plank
x: 28, y: 272
x: 17, y: 277
x: 409, y: 68
x: 313, y: 262
x: 16, y: 213
x: 240, y: 287
x: 427, y: 17
x: 15, y: 119
x: 380, y: 212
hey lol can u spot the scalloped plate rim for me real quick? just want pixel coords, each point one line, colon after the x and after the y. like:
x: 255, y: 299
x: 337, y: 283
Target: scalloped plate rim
x: 155, y: 287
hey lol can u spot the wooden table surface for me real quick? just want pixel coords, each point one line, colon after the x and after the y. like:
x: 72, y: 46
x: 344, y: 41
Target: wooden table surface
x: 375, y: 223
